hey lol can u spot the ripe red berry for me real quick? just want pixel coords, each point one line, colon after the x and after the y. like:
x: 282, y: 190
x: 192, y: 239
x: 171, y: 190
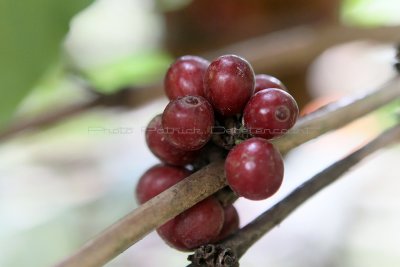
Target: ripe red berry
x: 229, y: 84
x: 168, y: 234
x: 254, y: 169
x: 157, y: 179
x: 270, y: 113
x: 187, y: 122
x: 231, y: 223
x: 185, y: 77
x: 161, y: 148
x: 196, y: 226
x: 264, y: 81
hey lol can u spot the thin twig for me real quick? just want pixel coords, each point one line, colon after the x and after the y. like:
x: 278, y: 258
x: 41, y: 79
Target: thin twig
x: 289, y: 50
x: 210, y: 179
x: 226, y: 196
x: 337, y: 114
x: 244, y: 238
x: 48, y: 118
x: 129, y: 97
x: 147, y: 217
x: 281, y: 52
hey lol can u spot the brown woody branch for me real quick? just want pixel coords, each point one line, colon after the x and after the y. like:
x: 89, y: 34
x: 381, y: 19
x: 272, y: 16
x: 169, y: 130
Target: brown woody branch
x: 279, y: 52
x: 210, y: 179
x: 337, y: 114
x: 228, y: 252
x: 47, y: 118
x: 129, y: 97
x: 291, y: 49
x: 149, y: 216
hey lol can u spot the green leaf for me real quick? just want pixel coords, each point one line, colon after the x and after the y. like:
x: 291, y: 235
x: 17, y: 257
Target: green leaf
x: 170, y: 5
x: 371, y: 13
x: 389, y: 115
x: 136, y: 69
x: 31, y: 33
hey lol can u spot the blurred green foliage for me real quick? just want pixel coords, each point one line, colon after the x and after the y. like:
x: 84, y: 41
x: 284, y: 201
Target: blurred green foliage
x: 135, y: 69
x: 168, y: 5
x: 31, y: 33
x: 371, y: 12
x: 389, y: 115
x: 63, y: 233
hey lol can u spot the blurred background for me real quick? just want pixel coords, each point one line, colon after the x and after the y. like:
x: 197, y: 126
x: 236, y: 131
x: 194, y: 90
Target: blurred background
x: 69, y: 67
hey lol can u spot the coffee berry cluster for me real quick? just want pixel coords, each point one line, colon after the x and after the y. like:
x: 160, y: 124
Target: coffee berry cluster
x: 216, y: 109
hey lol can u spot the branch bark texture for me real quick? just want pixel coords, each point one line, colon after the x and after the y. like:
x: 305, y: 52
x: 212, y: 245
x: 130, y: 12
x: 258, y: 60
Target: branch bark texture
x: 238, y: 243
x: 210, y: 179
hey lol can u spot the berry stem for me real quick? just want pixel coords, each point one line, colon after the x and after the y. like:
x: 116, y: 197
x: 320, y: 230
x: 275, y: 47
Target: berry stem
x: 226, y: 196
x: 243, y: 239
x: 205, y: 182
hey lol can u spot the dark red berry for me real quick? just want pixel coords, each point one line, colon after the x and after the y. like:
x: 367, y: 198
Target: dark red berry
x: 185, y: 77
x: 229, y: 84
x: 168, y: 234
x: 254, y: 169
x: 231, y: 223
x: 161, y: 148
x: 264, y: 81
x: 187, y: 122
x: 157, y: 179
x: 196, y: 226
x: 270, y: 113
x: 201, y: 223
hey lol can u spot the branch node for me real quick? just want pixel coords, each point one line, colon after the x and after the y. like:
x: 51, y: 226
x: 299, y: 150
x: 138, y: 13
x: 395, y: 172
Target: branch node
x: 213, y: 256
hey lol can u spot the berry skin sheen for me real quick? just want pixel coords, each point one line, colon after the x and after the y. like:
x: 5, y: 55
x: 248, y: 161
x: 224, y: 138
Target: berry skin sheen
x: 195, y: 227
x: 270, y: 113
x: 264, y: 81
x: 161, y: 148
x: 158, y: 179
x: 185, y: 77
x: 168, y: 234
x: 187, y: 122
x: 231, y: 223
x: 254, y: 169
x: 229, y: 84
